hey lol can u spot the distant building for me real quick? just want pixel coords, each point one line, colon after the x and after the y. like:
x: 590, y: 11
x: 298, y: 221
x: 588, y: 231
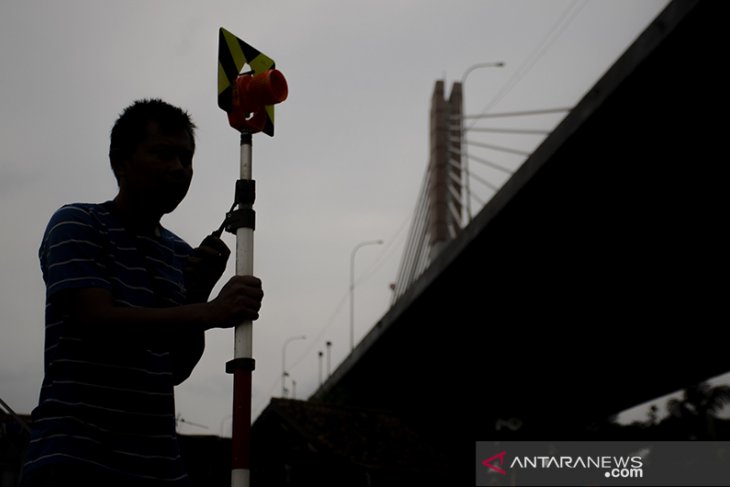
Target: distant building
x: 298, y: 443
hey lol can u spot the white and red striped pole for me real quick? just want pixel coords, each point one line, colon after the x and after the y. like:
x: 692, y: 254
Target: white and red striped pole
x: 243, y: 364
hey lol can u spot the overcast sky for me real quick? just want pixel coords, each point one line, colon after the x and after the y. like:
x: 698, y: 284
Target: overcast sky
x: 345, y: 166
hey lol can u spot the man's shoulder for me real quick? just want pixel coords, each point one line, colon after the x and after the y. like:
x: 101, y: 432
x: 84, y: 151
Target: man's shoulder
x: 76, y: 220
x: 81, y: 212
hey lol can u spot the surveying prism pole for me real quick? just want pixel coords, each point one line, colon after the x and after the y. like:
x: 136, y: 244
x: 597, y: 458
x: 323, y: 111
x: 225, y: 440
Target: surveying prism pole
x: 249, y: 100
x: 243, y: 364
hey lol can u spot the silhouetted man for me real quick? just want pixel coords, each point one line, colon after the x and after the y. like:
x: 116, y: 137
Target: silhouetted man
x: 126, y: 311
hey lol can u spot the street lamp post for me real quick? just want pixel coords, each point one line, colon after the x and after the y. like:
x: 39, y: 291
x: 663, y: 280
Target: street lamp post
x: 319, y: 354
x: 352, y: 288
x: 464, y: 155
x: 283, y: 361
x: 329, y: 357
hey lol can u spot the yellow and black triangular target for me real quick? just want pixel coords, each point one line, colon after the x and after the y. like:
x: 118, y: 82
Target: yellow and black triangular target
x: 233, y: 55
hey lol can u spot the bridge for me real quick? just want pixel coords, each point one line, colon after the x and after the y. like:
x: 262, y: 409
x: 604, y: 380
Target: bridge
x: 593, y: 278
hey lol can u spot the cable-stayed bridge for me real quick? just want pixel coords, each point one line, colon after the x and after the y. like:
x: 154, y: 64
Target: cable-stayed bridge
x: 585, y: 284
x: 588, y: 276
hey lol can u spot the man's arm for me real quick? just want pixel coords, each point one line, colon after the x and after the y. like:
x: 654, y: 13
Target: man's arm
x: 92, y: 310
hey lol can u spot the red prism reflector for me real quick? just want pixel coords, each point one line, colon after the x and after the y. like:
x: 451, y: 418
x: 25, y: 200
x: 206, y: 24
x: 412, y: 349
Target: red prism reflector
x: 248, y: 98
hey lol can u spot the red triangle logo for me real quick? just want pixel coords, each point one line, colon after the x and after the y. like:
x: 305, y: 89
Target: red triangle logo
x: 499, y: 456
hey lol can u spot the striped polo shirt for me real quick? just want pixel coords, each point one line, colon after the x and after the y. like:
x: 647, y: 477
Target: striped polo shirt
x: 107, y: 403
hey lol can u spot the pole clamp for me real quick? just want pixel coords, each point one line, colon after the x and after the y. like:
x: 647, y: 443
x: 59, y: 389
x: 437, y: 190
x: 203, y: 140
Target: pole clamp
x: 245, y: 192
x: 242, y: 218
x: 248, y: 364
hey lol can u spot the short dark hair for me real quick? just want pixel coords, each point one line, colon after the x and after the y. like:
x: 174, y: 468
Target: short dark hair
x: 131, y: 126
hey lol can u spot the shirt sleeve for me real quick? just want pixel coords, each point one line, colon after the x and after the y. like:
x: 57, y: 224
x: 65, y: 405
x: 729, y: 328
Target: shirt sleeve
x: 73, y: 251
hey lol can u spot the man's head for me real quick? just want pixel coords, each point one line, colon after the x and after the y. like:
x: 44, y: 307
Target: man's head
x: 151, y: 152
